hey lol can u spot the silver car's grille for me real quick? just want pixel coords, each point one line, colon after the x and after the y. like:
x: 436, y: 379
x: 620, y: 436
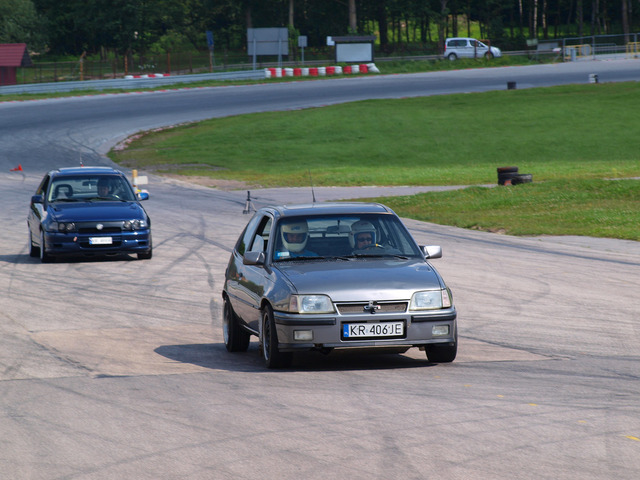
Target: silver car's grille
x: 365, y: 307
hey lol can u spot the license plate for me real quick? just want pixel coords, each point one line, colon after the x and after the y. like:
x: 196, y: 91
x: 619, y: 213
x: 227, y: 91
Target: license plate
x: 372, y: 330
x: 100, y: 240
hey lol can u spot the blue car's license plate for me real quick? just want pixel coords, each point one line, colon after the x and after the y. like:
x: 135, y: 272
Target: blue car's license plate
x: 100, y: 241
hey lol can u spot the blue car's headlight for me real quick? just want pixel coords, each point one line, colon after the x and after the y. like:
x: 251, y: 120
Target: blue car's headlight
x: 310, y: 304
x: 62, y: 227
x: 134, y: 224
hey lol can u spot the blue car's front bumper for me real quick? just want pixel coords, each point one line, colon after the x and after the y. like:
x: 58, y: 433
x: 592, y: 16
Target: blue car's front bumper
x: 74, y: 243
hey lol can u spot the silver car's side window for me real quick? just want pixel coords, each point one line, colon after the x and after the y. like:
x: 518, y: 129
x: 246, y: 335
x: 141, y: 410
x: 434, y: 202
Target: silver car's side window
x: 246, y: 239
x: 260, y: 242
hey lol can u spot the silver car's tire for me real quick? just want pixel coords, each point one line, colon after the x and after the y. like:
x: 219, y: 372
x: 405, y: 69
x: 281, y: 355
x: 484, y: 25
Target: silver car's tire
x: 273, y: 357
x: 34, y: 251
x: 44, y: 256
x: 452, y: 56
x: 235, y: 338
x: 442, y: 353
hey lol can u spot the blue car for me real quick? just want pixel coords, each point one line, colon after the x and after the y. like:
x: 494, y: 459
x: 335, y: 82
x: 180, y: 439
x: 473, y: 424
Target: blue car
x: 88, y: 211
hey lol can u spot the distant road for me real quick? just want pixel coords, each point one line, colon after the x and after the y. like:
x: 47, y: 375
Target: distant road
x: 115, y: 368
x: 89, y: 126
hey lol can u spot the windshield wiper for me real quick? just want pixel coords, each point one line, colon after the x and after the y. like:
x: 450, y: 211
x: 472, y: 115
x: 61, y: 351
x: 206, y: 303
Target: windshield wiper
x: 380, y: 255
x: 103, y: 199
x: 301, y: 257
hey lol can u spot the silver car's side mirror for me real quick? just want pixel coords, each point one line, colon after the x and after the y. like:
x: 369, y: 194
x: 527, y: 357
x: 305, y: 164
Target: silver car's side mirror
x: 432, y: 251
x: 253, y: 258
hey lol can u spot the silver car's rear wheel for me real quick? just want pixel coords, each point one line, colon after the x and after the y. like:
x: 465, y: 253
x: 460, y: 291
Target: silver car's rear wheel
x: 235, y: 338
x: 273, y: 357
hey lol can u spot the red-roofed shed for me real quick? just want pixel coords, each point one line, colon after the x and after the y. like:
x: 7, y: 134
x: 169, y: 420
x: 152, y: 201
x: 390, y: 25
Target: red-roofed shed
x: 12, y: 56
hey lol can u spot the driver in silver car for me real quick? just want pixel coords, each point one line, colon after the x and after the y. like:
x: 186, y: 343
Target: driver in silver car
x: 363, y: 235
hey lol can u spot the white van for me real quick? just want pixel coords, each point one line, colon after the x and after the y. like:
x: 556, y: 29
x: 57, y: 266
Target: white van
x: 462, y: 47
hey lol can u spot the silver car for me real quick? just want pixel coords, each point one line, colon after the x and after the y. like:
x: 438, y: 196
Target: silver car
x: 335, y: 276
x: 463, y: 47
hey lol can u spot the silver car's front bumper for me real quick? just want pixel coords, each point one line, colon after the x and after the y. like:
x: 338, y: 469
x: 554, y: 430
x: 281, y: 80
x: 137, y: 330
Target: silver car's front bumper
x: 327, y: 331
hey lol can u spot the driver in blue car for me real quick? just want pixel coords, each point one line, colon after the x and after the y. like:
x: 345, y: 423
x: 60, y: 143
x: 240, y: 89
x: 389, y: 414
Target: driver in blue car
x: 294, y: 236
x: 104, y: 187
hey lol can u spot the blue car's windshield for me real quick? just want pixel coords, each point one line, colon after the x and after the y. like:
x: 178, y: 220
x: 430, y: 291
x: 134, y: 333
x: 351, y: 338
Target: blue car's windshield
x: 341, y: 236
x: 83, y: 188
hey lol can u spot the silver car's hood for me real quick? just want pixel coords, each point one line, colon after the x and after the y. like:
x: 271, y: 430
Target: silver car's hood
x: 361, y: 279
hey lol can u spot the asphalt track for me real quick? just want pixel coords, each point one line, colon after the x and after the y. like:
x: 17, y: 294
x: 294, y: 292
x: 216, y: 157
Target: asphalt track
x: 115, y: 368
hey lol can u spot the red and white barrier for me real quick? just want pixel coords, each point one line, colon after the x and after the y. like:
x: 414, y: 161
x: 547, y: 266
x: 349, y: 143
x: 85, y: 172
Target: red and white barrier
x: 150, y: 75
x: 321, y: 71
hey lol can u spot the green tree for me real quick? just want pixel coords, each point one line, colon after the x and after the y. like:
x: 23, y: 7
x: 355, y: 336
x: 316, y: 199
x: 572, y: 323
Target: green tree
x: 20, y: 23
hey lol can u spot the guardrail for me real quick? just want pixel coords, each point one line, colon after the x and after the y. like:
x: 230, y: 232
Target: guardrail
x: 128, y: 84
x: 158, y: 81
x: 133, y: 83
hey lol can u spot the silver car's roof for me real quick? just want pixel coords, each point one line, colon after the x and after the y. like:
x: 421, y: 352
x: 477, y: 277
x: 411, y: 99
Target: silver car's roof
x: 330, y: 208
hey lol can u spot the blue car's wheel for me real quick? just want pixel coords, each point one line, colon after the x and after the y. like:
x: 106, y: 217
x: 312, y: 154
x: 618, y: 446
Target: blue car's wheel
x: 44, y: 256
x: 34, y: 251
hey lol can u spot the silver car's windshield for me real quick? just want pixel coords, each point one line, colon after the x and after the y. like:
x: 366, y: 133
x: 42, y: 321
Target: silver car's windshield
x: 83, y: 188
x: 340, y: 236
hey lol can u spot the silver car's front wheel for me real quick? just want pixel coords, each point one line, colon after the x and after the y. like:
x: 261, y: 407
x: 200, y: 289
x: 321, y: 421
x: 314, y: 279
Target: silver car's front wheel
x: 443, y: 353
x: 273, y: 357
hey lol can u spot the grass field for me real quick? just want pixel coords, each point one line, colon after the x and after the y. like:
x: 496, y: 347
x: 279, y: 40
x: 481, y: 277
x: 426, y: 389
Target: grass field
x: 573, y: 139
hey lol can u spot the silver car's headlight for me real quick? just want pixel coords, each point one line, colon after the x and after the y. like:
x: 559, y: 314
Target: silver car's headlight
x: 310, y: 304
x: 430, y: 300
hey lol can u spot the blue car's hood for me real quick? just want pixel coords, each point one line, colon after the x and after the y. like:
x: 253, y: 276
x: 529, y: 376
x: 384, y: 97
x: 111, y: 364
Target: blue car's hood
x: 361, y: 279
x: 97, y: 211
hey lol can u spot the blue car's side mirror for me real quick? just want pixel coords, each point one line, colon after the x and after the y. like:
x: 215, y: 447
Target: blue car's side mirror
x: 37, y: 199
x: 143, y: 196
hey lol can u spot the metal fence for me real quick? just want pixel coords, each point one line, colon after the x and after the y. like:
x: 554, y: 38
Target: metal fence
x: 170, y: 63
x: 598, y: 46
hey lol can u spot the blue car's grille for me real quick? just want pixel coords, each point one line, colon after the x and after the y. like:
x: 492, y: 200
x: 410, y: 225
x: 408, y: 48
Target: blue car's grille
x: 92, y: 229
